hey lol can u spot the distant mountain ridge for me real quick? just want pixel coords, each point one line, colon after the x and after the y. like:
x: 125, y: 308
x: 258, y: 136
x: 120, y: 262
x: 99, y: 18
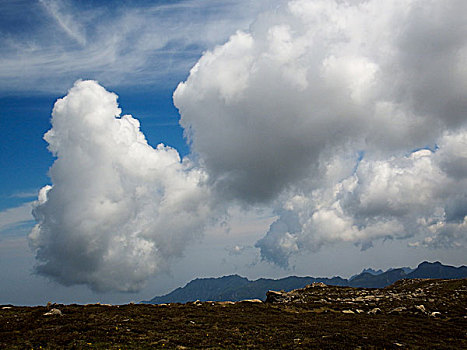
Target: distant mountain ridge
x: 235, y: 288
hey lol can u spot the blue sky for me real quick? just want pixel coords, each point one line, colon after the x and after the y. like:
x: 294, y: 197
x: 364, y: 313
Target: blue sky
x: 44, y: 52
x: 304, y: 157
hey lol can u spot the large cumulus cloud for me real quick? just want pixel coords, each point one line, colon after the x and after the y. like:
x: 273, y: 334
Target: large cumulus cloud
x: 118, y: 210
x: 349, y: 118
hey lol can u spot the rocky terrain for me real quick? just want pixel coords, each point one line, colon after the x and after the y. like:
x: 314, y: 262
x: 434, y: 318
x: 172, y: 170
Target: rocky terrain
x: 408, y: 297
x: 415, y: 314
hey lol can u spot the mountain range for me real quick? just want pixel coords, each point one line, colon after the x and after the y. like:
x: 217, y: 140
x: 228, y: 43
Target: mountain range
x: 235, y: 288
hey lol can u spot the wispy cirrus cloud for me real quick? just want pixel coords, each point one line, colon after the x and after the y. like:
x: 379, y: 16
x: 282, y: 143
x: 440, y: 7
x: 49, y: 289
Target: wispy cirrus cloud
x: 65, y: 20
x: 16, y: 216
x: 118, y: 45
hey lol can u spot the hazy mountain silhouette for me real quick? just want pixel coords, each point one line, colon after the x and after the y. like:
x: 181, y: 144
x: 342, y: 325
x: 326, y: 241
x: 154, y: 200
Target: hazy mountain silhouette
x: 236, y: 288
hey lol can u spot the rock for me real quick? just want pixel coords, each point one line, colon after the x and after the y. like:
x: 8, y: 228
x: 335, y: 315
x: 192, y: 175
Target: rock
x: 318, y: 284
x: 251, y: 301
x: 435, y: 314
x: 375, y: 311
x: 53, y: 312
x: 359, y: 311
x: 276, y: 297
x: 421, y: 308
x: 347, y: 312
x: 6, y: 307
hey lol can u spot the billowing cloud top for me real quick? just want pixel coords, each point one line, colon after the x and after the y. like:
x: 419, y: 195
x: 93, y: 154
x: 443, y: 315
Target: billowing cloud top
x: 318, y: 110
x: 349, y: 119
x: 118, y: 209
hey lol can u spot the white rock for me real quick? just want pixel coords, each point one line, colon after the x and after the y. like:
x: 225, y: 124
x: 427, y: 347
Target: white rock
x: 397, y: 310
x: 54, y: 312
x: 318, y: 284
x: 421, y: 308
x: 375, y: 311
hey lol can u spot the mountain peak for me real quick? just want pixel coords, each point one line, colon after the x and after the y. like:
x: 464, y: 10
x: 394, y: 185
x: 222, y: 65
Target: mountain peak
x: 235, y: 287
x: 427, y: 263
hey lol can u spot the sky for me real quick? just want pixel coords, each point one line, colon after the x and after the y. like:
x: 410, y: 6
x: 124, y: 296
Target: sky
x: 147, y: 143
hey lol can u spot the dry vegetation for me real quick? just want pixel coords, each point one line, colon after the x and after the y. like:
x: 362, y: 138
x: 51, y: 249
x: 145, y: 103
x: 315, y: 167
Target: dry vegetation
x: 409, y: 314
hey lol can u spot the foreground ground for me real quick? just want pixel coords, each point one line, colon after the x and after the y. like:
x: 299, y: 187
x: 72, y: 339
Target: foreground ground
x: 410, y: 314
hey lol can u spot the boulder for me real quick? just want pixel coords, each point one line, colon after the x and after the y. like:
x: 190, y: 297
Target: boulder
x: 421, y: 308
x: 375, y: 311
x: 53, y: 312
x: 276, y: 297
x: 318, y: 284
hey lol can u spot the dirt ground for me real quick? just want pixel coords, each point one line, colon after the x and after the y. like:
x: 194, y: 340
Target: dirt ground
x: 211, y: 325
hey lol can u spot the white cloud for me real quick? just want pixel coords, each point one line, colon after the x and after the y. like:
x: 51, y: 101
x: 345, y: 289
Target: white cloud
x: 323, y: 111
x: 118, y: 210
x: 24, y: 194
x: 65, y: 21
x: 396, y: 198
x: 15, y: 216
x: 123, y: 44
x: 280, y: 114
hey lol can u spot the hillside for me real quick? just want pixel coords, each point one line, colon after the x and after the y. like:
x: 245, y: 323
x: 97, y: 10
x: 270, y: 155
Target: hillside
x: 413, y: 314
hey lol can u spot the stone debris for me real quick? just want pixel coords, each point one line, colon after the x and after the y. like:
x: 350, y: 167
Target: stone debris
x: 375, y: 311
x: 317, y: 284
x: 53, y: 312
x: 416, y: 297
